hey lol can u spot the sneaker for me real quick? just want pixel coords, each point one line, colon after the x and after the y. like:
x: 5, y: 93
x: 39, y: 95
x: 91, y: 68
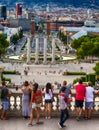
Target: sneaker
x: 78, y: 118
x: 46, y: 117
x: 49, y: 117
x: 86, y: 118
x: 59, y: 125
x: 30, y: 124
x: 40, y: 123
x: 63, y: 125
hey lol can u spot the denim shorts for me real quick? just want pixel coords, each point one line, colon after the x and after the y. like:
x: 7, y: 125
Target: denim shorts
x: 89, y: 104
x: 48, y: 101
x: 5, y: 105
x: 34, y: 105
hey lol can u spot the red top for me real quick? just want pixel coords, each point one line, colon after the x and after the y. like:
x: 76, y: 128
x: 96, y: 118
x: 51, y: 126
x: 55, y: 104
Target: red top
x: 38, y: 93
x: 64, y: 95
x: 80, y: 91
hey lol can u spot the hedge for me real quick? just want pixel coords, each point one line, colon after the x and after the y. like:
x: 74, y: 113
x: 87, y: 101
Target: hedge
x: 74, y: 73
x: 9, y: 72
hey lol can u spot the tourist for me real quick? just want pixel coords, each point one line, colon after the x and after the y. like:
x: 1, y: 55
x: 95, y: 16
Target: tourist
x: 48, y: 100
x: 34, y: 104
x: 5, y: 93
x: 79, y: 99
x: 26, y: 90
x: 68, y: 91
x: 89, y: 100
x: 63, y: 103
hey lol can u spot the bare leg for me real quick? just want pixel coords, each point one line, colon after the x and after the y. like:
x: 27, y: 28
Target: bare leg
x: 46, y: 109
x: 37, y: 114
x: 89, y: 113
x: 49, y: 109
x: 31, y: 115
x: 86, y: 112
x: 3, y: 115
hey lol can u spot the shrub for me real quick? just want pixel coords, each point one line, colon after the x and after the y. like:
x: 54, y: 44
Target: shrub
x: 9, y: 72
x: 91, y: 77
x: 6, y: 79
x: 74, y: 73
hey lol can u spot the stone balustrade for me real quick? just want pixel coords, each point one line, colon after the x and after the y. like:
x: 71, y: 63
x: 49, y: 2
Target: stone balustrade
x: 15, y: 107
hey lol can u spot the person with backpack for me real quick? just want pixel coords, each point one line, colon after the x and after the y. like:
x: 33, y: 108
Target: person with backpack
x: 35, y: 103
x: 63, y: 103
x: 68, y: 91
x: 5, y: 93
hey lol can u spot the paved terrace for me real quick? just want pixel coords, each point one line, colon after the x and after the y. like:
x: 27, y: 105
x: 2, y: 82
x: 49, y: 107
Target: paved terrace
x: 72, y: 124
x: 46, y: 73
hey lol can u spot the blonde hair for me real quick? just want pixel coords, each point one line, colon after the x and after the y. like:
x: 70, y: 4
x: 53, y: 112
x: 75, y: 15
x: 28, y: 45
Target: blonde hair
x: 89, y: 83
x: 64, y: 82
x: 26, y: 83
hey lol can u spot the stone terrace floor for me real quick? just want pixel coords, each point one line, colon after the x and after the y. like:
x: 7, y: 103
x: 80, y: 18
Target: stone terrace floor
x: 52, y: 124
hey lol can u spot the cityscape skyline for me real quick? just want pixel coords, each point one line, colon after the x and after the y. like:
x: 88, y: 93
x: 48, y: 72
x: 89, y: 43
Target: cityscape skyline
x: 64, y: 3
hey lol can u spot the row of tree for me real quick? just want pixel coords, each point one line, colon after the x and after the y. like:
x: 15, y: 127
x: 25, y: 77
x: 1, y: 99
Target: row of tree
x: 16, y: 37
x: 62, y: 37
x: 86, y: 46
x: 3, y: 44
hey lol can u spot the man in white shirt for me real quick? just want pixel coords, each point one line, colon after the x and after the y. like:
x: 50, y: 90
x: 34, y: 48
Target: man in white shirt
x: 89, y: 100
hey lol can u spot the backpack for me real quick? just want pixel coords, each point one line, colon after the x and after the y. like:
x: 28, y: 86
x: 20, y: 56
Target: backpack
x: 38, y: 99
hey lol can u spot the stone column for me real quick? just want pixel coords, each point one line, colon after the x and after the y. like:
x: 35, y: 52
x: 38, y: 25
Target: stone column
x: 28, y: 49
x: 53, y: 50
x: 45, y: 50
x: 1, y: 69
x: 37, y: 51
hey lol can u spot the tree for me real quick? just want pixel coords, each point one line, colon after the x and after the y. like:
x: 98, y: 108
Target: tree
x: 86, y: 46
x: 96, y: 68
x: 20, y: 33
x: 15, y: 39
x: 3, y: 44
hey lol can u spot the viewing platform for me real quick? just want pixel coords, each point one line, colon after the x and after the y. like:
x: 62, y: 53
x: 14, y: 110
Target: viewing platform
x: 15, y: 105
x: 52, y: 124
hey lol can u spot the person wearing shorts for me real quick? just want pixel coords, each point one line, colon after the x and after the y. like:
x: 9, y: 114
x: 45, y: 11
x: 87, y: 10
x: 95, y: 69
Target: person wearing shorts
x: 4, y: 99
x: 5, y: 105
x: 34, y: 106
x: 80, y: 95
x: 89, y: 100
x: 48, y: 100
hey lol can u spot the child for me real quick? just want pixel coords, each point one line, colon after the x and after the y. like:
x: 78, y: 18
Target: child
x: 64, y: 114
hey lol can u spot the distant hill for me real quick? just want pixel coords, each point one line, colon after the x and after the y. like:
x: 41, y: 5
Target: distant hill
x: 75, y: 3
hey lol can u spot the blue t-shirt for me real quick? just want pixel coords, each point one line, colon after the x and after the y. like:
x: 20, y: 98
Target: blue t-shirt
x: 68, y: 87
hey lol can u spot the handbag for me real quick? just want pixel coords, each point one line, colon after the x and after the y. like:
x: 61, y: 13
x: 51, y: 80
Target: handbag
x: 52, y: 99
x: 38, y: 99
x: 70, y: 99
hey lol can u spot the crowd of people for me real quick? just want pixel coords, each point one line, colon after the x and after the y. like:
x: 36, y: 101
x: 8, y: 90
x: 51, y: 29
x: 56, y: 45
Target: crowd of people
x: 32, y: 101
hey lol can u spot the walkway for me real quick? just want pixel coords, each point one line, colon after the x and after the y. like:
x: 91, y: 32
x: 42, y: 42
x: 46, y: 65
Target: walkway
x: 72, y: 124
